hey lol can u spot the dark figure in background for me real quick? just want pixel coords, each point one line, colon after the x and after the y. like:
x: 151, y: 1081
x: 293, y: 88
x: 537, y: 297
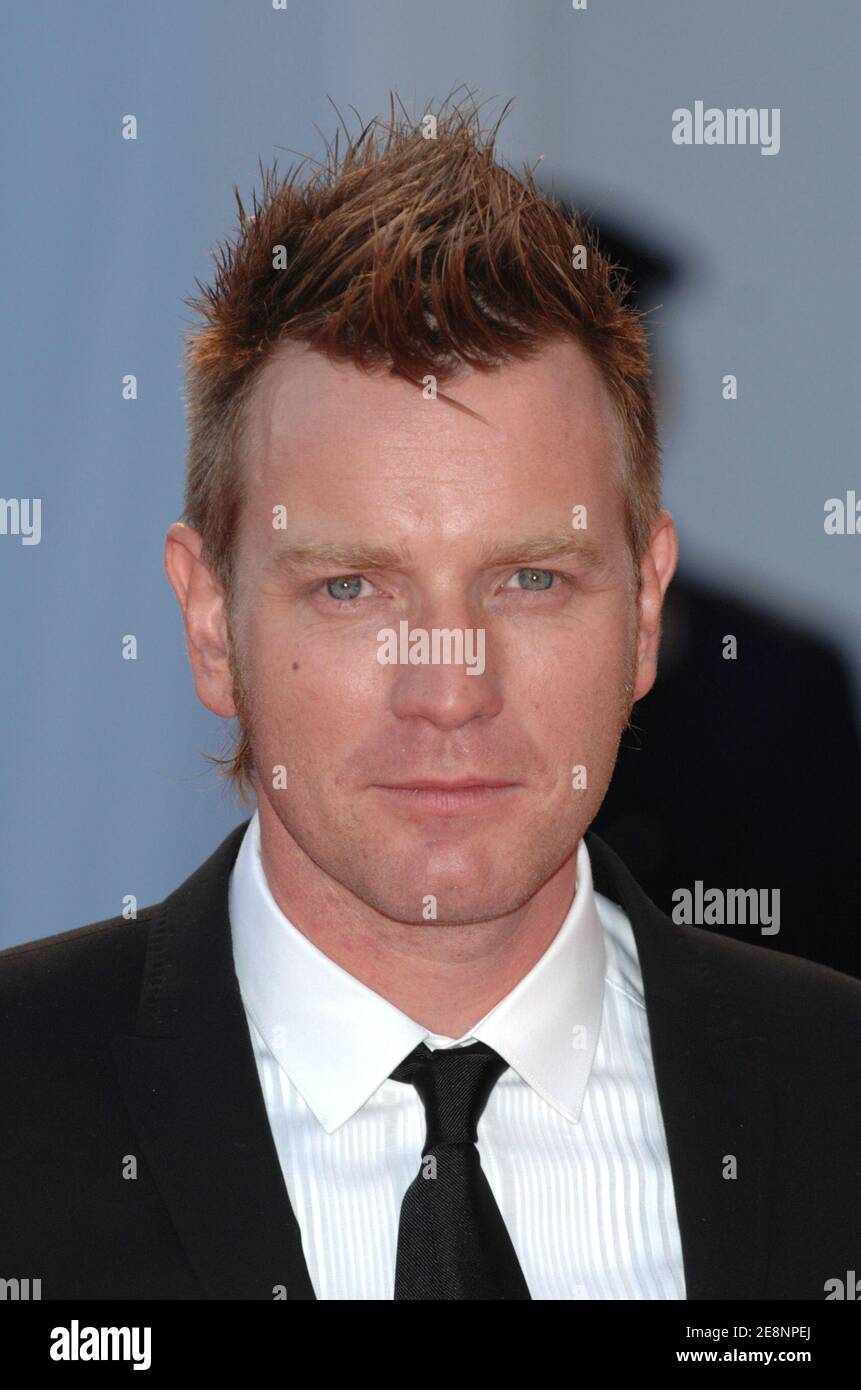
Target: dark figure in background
x: 773, y: 736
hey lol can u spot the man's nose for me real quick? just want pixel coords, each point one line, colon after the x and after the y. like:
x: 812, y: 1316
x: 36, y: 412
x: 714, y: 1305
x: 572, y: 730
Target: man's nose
x: 444, y: 672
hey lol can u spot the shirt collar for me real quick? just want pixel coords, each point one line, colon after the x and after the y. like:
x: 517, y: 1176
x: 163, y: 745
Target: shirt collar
x: 338, y: 1040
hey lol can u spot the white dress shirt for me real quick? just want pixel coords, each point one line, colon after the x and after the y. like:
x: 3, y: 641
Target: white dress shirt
x: 571, y: 1140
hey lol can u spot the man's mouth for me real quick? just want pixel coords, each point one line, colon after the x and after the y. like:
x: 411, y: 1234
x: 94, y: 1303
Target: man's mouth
x: 446, y: 797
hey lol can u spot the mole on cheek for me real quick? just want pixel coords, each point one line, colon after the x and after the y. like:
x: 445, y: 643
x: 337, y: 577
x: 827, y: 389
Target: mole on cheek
x: 295, y: 665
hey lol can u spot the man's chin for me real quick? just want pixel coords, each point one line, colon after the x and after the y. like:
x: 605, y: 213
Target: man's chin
x: 463, y: 890
x: 447, y: 910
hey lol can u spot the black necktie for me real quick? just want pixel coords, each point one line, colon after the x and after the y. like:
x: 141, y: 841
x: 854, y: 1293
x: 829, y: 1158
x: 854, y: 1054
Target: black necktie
x: 452, y: 1240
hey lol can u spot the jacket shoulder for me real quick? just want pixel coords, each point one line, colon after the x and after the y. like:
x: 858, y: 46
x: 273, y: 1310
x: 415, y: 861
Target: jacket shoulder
x: 748, y: 984
x: 70, y: 981
x: 85, y: 984
x: 785, y: 988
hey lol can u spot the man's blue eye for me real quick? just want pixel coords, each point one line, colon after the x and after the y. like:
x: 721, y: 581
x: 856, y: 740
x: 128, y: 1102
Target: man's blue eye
x: 345, y: 587
x: 535, y: 575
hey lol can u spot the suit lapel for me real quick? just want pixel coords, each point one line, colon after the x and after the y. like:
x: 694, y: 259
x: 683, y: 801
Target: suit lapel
x: 190, y: 1081
x: 714, y: 1089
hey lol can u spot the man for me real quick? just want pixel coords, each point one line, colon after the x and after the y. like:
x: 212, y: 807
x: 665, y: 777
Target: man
x: 413, y: 1031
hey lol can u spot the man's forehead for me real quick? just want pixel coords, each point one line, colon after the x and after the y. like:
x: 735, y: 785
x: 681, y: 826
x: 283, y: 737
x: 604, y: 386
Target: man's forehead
x: 303, y: 401
x: 376, y: 488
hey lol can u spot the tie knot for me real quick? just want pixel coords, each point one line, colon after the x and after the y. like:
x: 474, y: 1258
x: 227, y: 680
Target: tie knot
x: 454, y: 1084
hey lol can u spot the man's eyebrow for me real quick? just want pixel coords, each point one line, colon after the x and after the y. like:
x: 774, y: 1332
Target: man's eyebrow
x: 355, y: 558
x: 566, y: 545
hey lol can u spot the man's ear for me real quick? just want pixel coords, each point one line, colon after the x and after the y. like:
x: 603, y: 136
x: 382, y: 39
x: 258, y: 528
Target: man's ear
x: 657, y: 568
x: 201, y: 599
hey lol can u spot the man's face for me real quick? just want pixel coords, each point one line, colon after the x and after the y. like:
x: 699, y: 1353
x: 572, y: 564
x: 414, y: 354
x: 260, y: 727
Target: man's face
x: 363, y: 464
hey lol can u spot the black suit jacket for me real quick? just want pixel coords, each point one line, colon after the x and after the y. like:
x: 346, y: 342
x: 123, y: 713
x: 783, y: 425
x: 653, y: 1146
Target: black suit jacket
x: 127, y: 1040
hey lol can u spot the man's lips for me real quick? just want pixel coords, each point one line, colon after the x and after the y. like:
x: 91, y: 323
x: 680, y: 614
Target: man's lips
x: 448, y: 797
x: 446, y: 784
